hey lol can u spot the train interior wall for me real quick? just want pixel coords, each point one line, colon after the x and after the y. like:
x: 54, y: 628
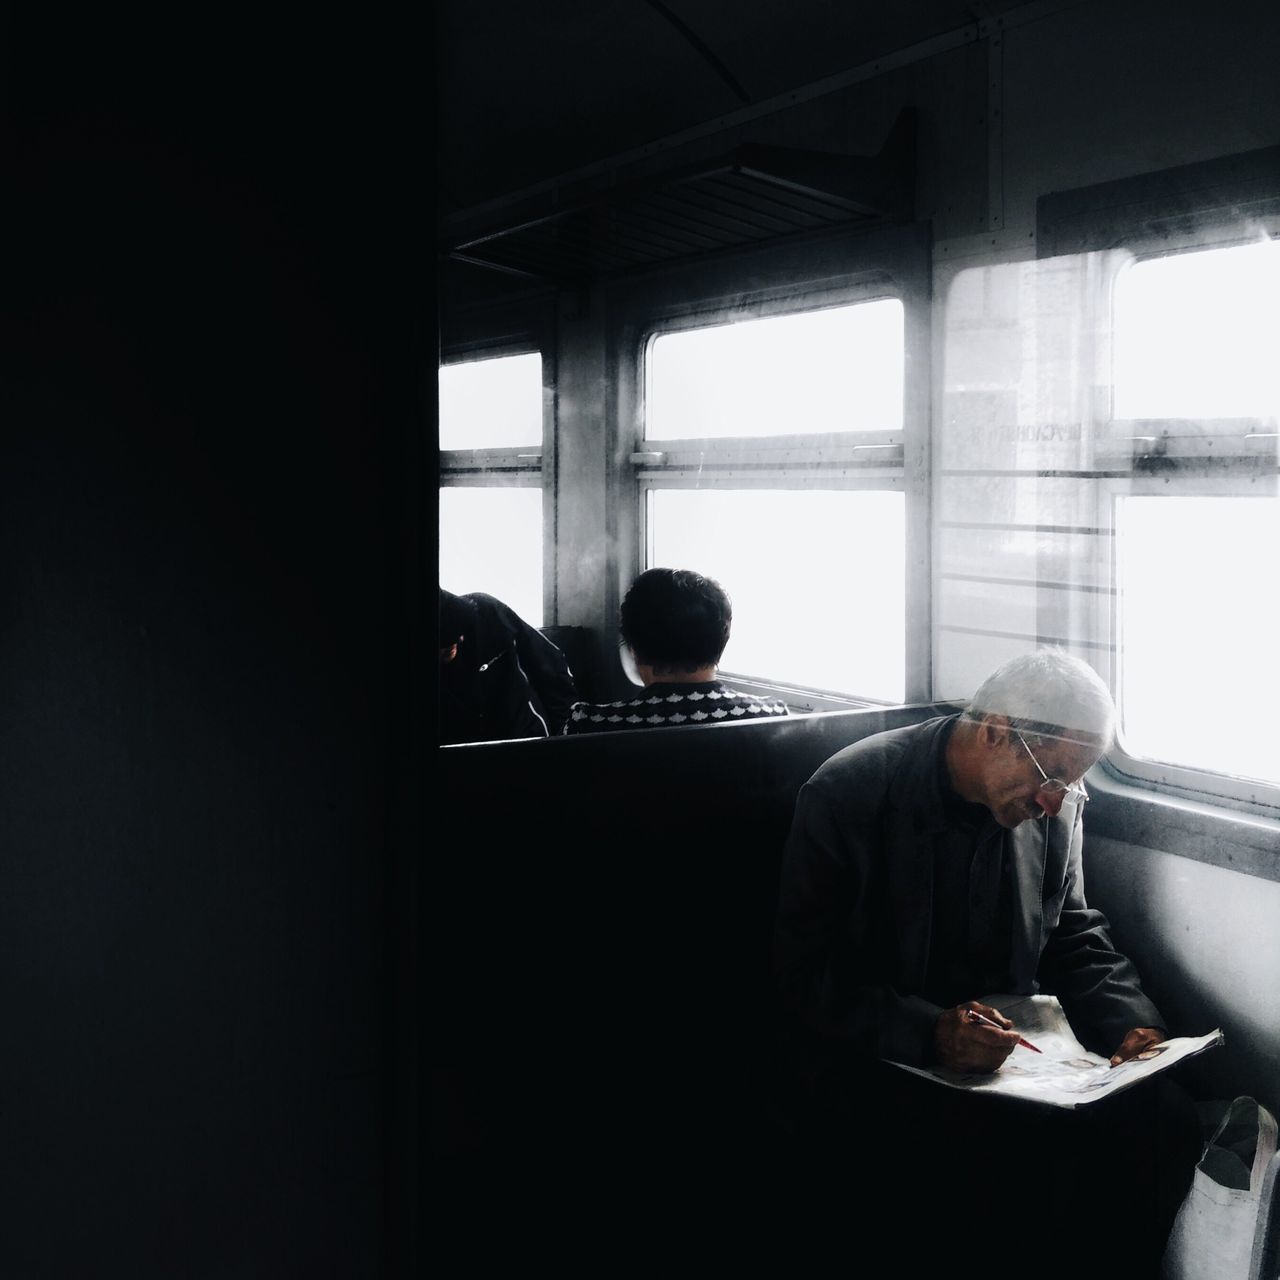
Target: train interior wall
x: 1086, y: 94
x: 1089, y: 94
x: 1204, y: 939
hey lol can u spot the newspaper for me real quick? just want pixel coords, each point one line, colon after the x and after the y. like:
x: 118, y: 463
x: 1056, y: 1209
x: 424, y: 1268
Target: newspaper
x: 1064, y: 1073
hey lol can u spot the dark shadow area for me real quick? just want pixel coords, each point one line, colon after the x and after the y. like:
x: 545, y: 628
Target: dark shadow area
x: 599, y: 933
x: 213, y: 326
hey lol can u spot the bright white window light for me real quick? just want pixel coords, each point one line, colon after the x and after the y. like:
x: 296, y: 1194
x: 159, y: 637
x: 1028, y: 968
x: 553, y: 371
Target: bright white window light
x: 1196, y: 335
x: 1199, y: 614
x: 817, y: 580
x: 491, y: 404
x: 491, y: 541
x: 838, y: 369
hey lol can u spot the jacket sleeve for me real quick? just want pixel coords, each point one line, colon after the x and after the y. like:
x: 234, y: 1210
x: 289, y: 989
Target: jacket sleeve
x: 547, y: 671
x: 1098, y: 987
x: 825, y: 951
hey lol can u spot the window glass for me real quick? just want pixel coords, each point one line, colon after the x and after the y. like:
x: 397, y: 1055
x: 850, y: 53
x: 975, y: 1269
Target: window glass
x: 491, y: 541
x: 1196, y: 335
x: 491, y: 404
x: 839, y: 369
x: 1198, y: 615
x: 816, y: 578
x: 1048, y: 530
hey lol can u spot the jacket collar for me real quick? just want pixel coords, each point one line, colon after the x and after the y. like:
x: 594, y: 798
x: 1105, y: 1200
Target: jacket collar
x: 917, y: 813
x: 916, y: 792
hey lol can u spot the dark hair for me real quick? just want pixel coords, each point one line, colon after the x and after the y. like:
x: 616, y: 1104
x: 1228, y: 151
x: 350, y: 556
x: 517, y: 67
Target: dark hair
x: 676, y: 618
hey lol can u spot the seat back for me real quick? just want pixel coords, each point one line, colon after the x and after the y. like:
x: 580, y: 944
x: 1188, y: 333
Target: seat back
x: 601, y: 920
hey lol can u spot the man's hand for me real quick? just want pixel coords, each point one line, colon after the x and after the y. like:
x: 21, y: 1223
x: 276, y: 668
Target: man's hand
x: 1138, y: 1040
x: 961, y: 1045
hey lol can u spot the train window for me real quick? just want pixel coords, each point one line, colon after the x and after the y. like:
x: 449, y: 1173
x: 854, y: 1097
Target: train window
x: 772, y: 460
x: 1195, y: 334
x: 486, y: 404
x: 798, y: 565
x: 1105, y: 479
x: 836, y: 369
x: 491, y: 494
x: 1197, y: 612
x: 1194, y: 337
x: 491, y: 540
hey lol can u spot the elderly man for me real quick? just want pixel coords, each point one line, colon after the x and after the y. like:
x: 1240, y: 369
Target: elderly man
x: 929, y: 865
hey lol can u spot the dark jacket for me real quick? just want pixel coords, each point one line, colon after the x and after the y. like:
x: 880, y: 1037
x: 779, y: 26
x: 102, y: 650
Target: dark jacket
x: 507, y: 680
x: 851, y: 947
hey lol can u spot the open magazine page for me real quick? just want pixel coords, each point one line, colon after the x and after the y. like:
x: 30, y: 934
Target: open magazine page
x: 1064, y: 1073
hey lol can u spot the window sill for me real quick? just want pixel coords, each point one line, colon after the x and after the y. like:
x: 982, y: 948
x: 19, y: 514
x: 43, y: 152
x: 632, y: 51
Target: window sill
x: 799, y: 700
x: 1120, y: 810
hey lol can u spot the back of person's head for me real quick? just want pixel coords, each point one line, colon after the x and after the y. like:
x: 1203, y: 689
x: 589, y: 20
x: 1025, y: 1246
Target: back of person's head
x: 676, y: 619
x: 1049, y: 693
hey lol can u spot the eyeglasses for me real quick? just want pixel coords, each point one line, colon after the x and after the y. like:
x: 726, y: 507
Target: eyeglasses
x: 1055, y: 786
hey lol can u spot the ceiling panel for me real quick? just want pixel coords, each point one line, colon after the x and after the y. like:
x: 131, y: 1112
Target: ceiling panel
x: 529, y: 91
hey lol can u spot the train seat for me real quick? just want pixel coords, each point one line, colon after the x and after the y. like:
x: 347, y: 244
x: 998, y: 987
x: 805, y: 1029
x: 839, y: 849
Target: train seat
x: 600, y: 915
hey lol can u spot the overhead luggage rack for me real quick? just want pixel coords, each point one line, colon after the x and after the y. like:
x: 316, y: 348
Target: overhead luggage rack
x: 756, y: 193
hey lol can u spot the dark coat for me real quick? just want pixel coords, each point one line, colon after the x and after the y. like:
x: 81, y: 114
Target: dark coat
x: 853, y: 930
x: 507, y: 681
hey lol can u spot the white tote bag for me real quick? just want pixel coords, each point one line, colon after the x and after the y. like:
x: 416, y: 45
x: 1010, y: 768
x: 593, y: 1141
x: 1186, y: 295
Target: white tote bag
x: 1212, y: 1236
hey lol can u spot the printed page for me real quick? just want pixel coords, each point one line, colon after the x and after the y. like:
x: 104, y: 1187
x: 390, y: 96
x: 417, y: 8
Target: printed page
x: 1064, y: 1073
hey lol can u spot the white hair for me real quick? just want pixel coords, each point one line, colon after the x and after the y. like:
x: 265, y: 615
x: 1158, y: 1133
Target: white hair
x: 1048, y: 692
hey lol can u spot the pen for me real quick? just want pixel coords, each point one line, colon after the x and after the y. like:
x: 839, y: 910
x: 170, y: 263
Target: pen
x: 974, y: 1016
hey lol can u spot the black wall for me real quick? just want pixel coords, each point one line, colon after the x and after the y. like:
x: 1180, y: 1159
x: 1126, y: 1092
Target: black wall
x: 212, y: 429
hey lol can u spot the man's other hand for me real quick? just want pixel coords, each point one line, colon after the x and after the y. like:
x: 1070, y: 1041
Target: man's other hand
x: 1137, y: 1041
x: 963, y: 1045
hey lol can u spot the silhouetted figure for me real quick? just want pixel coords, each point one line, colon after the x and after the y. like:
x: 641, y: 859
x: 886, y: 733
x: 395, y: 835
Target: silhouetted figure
x: 499, y: 677
x: 675, y: 624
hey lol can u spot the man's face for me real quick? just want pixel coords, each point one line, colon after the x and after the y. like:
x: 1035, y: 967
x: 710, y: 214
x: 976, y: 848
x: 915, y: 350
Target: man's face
x: 1015, y: 788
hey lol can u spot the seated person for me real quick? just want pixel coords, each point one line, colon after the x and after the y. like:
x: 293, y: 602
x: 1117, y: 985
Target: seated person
x: 930, y: 865
x: 499, y: 677
x: 675, y: 625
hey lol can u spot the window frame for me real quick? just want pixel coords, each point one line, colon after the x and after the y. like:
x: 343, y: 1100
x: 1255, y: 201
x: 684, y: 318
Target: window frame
x: 1187, y: 457
x: 1187, y: 781
x: 893, y: 263
x: 512, y: 466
